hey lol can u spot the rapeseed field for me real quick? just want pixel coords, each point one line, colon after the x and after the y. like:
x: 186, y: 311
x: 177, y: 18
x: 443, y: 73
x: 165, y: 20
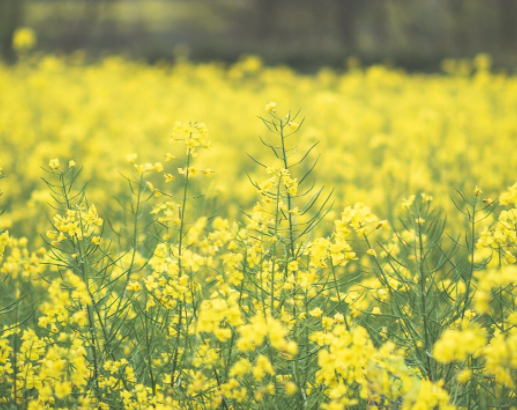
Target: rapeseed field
x: 202, y: 236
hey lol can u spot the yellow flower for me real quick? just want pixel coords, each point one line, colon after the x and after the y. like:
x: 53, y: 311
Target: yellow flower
x: 292, y: 266
x: 190, y: 171
x: 464, y: 376
x: 271, y: 107
x: 339, y: 318
x: 290, y: 388
x: 169, y: 177
x: 54, y: 163
x: 293, y: 125
x: 426, y: 198
x: 316, y: 312
x: 208, y: 172
x: 24, y: 39
x: 262, y: 367
x: 406, y: 204
x: 62, y: 389
x: 131, y: 158
x: 241, y: 367
x: 134, y: 286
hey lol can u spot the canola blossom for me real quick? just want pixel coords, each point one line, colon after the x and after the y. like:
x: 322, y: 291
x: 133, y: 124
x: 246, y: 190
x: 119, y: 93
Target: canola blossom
x: 361, y: 256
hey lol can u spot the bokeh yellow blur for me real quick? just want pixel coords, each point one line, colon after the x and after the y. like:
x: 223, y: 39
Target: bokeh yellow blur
x: 383, y: 134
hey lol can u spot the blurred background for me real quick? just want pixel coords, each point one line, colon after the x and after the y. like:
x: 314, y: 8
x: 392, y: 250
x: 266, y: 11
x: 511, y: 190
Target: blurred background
x: 305, y: 34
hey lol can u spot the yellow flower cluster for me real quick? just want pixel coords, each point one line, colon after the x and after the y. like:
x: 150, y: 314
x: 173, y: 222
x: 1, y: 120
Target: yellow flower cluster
x: 4, y: 240
x: 228, y: 293
x: 76, y: 224
x: 456, y: 345
x: 375, y: 149
x: 59, y: 310
x: 502, y: 236
x: 193, y: 134
x: 360, y: 218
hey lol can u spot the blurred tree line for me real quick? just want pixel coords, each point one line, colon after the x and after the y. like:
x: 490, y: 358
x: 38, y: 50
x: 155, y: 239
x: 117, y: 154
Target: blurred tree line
x: 416, y: 34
